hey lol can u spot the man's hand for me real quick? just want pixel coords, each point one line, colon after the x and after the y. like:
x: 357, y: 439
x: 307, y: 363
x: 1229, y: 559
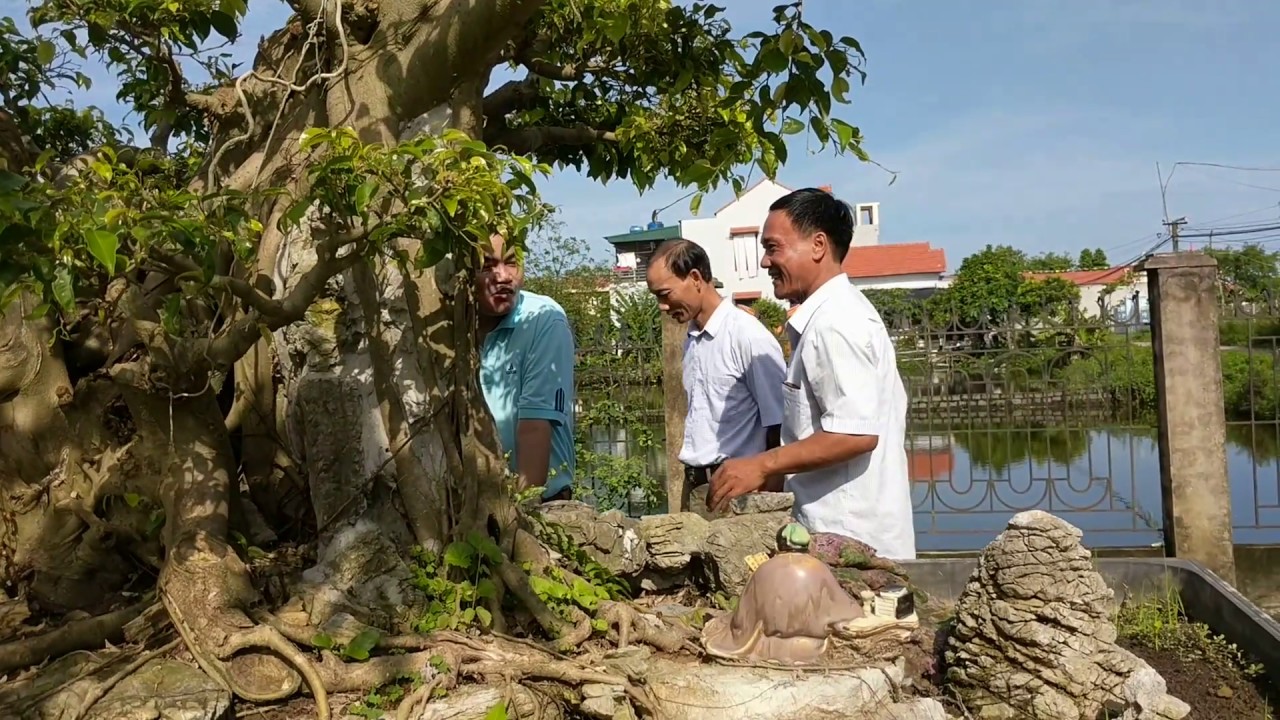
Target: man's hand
x: 735, y: 477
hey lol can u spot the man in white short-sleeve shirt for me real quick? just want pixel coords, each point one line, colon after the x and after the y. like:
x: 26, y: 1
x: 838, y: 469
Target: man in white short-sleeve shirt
x: 844, y: 422
x: 733, y: 366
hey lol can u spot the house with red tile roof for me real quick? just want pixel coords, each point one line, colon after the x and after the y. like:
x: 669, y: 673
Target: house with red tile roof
x: 910, y: 266
x: 1120, y: 292
x: 731, y: 237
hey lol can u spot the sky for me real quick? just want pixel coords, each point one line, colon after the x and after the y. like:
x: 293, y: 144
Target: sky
x: 1032, y: 123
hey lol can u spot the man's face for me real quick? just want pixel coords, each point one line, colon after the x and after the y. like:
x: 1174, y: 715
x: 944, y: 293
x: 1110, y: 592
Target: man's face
x: 681, y: 299
x: 789, y: 256
x: 499, y: 279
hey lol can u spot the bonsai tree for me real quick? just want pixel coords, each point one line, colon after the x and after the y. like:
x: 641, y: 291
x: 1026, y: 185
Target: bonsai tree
x: 191, y: 325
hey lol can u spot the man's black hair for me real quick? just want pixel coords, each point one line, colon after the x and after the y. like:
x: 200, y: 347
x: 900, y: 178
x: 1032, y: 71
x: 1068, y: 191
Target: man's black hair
x: 812, y: 210
x: 683, y: 257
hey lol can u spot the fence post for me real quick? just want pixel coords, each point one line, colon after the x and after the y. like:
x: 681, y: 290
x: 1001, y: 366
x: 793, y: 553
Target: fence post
x: 1194, y: 487
x: 675, y: 405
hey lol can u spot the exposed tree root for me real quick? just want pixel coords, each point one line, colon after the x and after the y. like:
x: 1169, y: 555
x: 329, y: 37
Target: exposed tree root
x: 627, y: 623
x: 88, y: 634
x: 100, y: 691
x: 565, y: 672
x: 423, y: 694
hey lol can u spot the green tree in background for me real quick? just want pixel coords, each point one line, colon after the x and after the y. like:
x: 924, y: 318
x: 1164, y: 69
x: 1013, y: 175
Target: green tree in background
x: 1092, y: 259
x: 1050, y: 262
x: 770, y: 313
x: 1247, y: 273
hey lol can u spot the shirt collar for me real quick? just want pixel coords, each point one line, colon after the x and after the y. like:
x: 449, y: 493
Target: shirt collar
x: 800, y: 320
x: 714, y: 323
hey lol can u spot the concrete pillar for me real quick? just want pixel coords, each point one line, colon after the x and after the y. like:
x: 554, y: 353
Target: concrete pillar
x: 676, y: 406
x: 1183, y: 289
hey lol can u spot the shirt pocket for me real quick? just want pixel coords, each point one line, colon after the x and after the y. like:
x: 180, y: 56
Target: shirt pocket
x: 795, y: 413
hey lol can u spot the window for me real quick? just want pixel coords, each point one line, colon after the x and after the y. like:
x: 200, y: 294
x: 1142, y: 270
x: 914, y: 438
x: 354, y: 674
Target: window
x: 866, y: 214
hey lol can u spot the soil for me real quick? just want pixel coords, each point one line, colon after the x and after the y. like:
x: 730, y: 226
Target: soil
x: 1213, y: 690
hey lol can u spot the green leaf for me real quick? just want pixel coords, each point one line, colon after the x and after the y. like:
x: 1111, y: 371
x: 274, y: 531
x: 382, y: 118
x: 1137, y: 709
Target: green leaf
x: 845, y: 133
x: 362, y: 644
x: 699, y: 173
x: 695, y: 204
x: 774, y: 60
x: 840, y: 89
x: 616, y: 27
x: 364, y: 193
x: 64, y: 290
x: 103, y: 246
x: 45, y: 52
x: 459, y: 554
x: 322, y: 641
x: 451, y: 204
x: 10, y: 181
x: 791, y: 126
x: 485, y: 546
x: 132, y: 499
x: 483, y: 614
x: 224, y: 24
x: 497, y: 712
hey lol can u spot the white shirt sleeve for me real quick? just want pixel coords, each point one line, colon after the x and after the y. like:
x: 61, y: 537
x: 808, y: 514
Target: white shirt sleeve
x: 764, y: 373
x: 840, y: 365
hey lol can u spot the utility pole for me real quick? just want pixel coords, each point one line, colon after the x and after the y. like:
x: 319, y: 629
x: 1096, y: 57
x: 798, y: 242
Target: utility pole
x: 1174, y: 227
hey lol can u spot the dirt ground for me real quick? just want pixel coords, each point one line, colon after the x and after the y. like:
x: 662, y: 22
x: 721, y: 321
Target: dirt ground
x: 1213, y: 690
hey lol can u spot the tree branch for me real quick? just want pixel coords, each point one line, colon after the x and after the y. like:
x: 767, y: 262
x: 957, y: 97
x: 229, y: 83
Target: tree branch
x: 231, y: 345
x: 525, y: 140
x: 552, y: 71
x: 454, y: 37
x: 513, y: 95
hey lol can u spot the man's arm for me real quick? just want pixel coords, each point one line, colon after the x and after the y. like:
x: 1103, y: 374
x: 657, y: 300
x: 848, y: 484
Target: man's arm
x: 546, y: 386
x: 841, y: 369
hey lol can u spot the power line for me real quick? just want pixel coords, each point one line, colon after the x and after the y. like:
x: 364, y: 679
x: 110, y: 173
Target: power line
x: 1226, y: 167
x: 1238, y: 231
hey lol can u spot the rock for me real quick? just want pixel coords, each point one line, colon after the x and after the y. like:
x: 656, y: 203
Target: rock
x: 762, y: 502
x: 728, y: 543
x: 922, y: 709
x: 1033, y: 634
x: 673, y: 540
x: 164, y: 690
x: 611, y: 538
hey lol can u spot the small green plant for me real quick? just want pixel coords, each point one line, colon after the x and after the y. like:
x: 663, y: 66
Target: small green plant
x: 1159, y: 622
x: 457, y: 582
x: 385, y: 697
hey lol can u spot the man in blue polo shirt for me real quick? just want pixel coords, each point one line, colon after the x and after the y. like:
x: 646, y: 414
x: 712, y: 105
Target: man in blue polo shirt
x: 526, y: 373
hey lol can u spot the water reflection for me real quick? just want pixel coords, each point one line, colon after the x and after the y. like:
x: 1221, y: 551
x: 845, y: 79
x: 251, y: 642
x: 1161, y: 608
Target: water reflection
x: 967, y: 482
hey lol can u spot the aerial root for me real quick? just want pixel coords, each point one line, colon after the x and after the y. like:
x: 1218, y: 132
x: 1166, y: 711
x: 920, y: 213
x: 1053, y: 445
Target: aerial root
x: 267, y: 638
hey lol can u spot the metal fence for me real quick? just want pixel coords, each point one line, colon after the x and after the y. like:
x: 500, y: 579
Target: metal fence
x: 1249, y: 335
x: 1008, y: 412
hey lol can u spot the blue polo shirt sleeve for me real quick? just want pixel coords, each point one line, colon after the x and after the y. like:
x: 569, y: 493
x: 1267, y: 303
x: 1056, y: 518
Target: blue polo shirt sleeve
x: 547, y: 389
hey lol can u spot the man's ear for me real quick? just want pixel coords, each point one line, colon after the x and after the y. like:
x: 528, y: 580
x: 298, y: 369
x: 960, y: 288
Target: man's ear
x: 820, y: 246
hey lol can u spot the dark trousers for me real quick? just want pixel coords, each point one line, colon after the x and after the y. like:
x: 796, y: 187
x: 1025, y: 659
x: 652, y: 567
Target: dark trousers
x: 695, y: 476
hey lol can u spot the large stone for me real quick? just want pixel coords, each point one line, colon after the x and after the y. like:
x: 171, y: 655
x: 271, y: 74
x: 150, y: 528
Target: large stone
x: 1033, y: 635
x: 611, y: 537
x: 731, y: 540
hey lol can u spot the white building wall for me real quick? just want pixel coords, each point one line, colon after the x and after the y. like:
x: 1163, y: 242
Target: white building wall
x: 735, y: 257
x: 915, y: 281
x: 1119, y: 303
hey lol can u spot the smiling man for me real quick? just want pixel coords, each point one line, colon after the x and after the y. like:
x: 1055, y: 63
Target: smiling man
x: 844, y: 422
x: 526, y: 372
x: 733, y: 367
